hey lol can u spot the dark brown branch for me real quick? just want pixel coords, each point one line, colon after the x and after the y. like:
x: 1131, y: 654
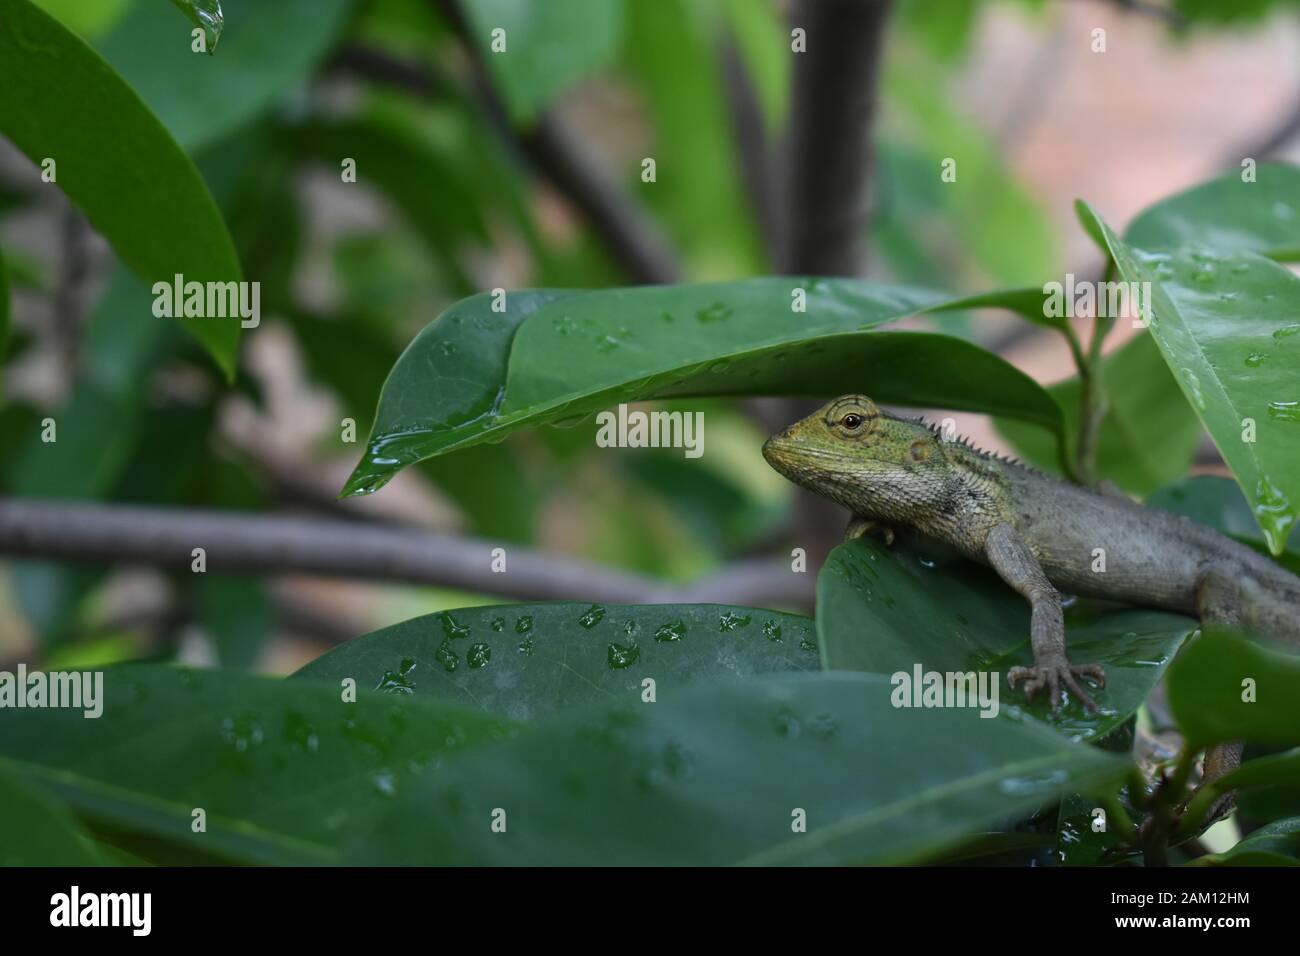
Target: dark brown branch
x: 245, y: 543
x: 825, y: 170
x: 828, y: 159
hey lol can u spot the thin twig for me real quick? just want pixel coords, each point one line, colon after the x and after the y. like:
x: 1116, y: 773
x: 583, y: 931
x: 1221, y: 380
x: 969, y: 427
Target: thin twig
x: 633, y: 240
x: 1092, y: 399
x: 249, y: 543
x: 555, y: 152
x: 753, y: 151
x: 74, y: 269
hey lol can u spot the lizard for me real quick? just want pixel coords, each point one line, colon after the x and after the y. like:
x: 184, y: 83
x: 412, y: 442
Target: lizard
x: 1038, y: 533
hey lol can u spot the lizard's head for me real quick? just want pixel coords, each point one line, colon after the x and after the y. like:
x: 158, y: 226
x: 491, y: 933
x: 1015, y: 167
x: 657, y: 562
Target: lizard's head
x: 854, y: 453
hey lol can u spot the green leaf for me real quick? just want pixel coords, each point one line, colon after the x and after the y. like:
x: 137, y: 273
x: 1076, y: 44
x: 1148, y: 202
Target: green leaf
x: 547, y: 46
x: 89, y: 18
x: 576, y: 353
x: 268, y: 50
x: 716, y: 776
x: 1149, y: 433
x: 115, y: 161
x: 207, y: 15
x: 1226, y: 325
x: 1077, y: 844
x: 1227, y: 215
x: 285, y: 770
x: 1267, y: 786
x: 1028, y: 303
x: 1209, y: 679
x: 36, y: 830
x: 465, y: 351
x: 1277, y: 844
x: 527, y: 661
x: 887, y: 611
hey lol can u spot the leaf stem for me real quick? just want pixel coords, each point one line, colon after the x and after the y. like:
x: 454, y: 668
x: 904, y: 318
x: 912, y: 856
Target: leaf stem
x: 1119, y: 817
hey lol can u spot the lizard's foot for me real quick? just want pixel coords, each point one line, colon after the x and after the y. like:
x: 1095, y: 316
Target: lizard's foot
x: 1052, y: 674
x: 860, y: 526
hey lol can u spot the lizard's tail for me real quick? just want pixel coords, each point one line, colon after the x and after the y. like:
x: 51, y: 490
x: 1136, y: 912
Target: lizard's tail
x: 1274, y: 610
x: 1264, y: 600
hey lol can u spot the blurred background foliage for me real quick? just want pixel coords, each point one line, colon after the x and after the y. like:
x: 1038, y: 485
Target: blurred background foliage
x: 452, y: 198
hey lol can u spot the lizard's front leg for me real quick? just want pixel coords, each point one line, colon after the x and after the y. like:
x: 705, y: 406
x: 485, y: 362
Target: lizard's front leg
x: 1013, y: 560
x: 859, y: 526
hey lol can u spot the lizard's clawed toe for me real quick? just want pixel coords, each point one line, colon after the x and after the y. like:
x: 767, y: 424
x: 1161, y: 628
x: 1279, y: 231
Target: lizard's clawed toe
x: 1094, y: 672
x: 1052, y: 675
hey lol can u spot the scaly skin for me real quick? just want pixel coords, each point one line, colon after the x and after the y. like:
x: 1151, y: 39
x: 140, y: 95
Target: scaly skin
x: 1040, y: 535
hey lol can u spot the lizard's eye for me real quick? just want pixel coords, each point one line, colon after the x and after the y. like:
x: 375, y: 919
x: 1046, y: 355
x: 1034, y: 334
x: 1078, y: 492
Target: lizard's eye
x: 851, y: 421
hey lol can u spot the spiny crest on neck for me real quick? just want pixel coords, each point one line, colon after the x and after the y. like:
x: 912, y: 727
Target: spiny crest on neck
x: 965, y: 443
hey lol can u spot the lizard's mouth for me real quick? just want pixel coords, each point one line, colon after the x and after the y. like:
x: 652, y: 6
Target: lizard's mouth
x: 795, y: 461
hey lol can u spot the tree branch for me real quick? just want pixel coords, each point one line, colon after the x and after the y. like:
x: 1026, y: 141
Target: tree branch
x: 828, y: 159
x: 244, y: 543
x: 824, y: 171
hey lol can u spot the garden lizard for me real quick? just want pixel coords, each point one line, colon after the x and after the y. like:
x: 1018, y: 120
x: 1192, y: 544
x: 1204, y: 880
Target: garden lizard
x: 1040, y: 534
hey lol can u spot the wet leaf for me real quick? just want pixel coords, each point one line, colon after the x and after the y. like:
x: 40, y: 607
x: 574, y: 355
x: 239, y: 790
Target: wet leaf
x: 268, y: 50
x: 283, y: 769
x: 115, y: 161
x: 36, y: 830
x: 1224, y: 687
x: 528, y: 661
x: 207, y: 15
x: 723, y: 774
x: 1228, y: 215
x: 571, y: 354
x: 1226, y: 325
x: 887, y: 610
x: 1276, y: 844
